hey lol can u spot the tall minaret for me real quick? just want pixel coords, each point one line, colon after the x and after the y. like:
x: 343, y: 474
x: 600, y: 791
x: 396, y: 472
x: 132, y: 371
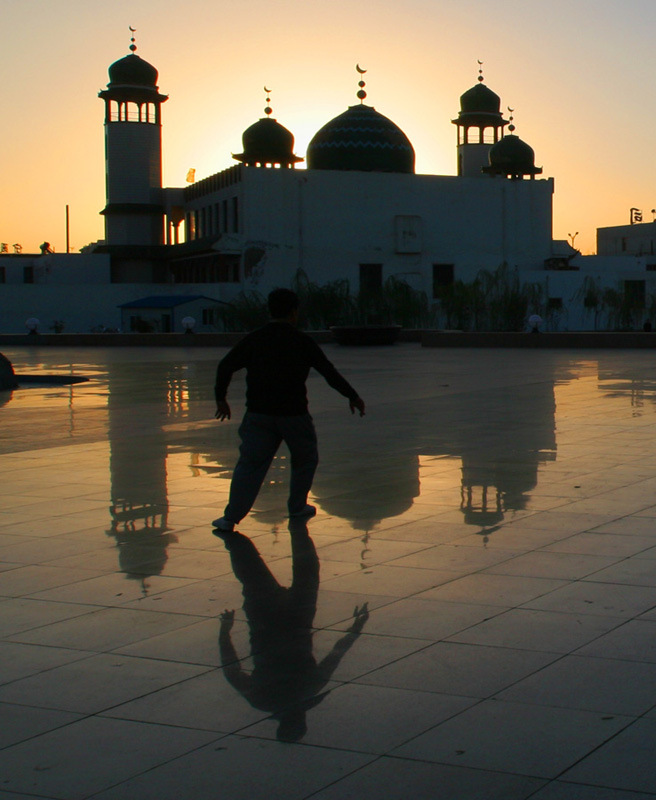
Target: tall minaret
x: 480, y: 125
x: 134, y: 214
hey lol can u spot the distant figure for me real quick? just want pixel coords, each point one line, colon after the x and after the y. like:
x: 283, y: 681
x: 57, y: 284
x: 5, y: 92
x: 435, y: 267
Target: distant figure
x: 277, y: 359
x: 534, y: 322
x: 285, y: 679
x: 46, y: 249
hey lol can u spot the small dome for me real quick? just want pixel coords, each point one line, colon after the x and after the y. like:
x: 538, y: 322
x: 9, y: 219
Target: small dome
x: 480, y: 100
x: 132, y: 71
x: 480, y: 108
x: 512, y: 157
x: 361, y: 139
x: 267, y: 142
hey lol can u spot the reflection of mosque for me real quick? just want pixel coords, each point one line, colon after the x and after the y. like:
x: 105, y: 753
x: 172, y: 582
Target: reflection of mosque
x: 620, y: 382
x: 501, y: 437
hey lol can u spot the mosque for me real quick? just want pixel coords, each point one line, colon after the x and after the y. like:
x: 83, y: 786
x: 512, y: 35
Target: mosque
x: 357, y: 212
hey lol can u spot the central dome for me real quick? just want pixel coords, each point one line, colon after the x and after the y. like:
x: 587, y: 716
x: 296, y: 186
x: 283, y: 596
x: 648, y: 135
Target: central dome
x: 361, y: 139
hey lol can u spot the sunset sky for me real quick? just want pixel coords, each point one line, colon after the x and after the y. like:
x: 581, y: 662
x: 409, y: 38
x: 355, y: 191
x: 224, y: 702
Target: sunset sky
x: 578, y: 74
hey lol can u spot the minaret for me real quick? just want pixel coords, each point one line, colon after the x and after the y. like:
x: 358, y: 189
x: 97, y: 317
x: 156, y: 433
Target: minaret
x: 480, y: 125
x: 134, y: 214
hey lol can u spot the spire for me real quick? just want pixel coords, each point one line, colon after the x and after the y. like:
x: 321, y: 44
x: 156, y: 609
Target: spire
x: 361, y: 93
x: 133, y: 46
x: 268, y: 110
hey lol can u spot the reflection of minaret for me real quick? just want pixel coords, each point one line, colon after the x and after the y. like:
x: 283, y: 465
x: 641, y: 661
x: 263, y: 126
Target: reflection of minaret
x: 138, y: 451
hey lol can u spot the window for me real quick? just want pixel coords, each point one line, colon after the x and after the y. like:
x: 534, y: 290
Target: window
x: 554, y: 303
x: 443, y: 275
x: 211, y: 316
x: 634, y: 292
x: 28, y: 274
x: 3, y: 275
x: 371, y: 278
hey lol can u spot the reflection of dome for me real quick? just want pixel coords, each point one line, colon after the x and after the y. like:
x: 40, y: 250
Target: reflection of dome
x: 361, y: 139
x: 267, y: 142
x: 132, y: 71
x: 512, y: 157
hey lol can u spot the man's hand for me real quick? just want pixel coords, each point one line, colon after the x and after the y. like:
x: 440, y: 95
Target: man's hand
x: 357, y: 403
x: 228, y: 619
x: 222, y: 410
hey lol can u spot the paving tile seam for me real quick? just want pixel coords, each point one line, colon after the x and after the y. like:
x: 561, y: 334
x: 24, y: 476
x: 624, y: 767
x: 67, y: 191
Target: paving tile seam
x: 80, y: 718
x: 599, y: 746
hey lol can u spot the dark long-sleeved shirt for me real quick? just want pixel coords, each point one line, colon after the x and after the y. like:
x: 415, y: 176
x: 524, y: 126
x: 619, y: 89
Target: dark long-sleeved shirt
x: 277, y: 359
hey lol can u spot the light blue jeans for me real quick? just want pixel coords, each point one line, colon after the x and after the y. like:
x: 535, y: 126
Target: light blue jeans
x: 261, y: 436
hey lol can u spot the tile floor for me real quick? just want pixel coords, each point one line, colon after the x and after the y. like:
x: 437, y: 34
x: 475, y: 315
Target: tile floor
x: 473, y: 613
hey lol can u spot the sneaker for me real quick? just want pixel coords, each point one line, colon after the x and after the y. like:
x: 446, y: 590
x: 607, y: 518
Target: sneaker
x: 223, y: 524
x: 308, y: 511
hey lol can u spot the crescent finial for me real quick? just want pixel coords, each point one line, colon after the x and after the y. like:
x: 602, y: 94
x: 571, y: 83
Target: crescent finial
x: 134, y: 30
x: 360, y: 70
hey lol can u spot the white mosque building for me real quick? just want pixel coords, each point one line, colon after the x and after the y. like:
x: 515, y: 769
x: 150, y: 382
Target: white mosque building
x: 357, y: 212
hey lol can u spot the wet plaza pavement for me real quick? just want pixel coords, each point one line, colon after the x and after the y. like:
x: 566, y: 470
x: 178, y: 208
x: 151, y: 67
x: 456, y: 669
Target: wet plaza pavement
x: 471, y: 615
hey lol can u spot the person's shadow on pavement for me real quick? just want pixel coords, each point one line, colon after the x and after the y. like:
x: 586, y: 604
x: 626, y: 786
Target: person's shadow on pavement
x: 285, y: 679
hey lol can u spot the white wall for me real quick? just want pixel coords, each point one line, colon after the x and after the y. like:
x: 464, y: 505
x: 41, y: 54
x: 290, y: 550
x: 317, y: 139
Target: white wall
x: 327, y: 223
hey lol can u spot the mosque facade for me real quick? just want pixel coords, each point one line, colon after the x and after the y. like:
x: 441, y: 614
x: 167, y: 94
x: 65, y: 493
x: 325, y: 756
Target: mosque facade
x: 357, y: 212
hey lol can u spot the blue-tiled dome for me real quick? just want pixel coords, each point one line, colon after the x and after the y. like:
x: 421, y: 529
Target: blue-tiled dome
x: 361, y: 139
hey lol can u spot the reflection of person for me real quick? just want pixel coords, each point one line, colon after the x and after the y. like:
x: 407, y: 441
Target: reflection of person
x: 286, y: 679
x: 277, y: 359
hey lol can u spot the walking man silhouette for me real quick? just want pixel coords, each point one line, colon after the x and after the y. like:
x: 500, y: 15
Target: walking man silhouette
x: 277, y: 359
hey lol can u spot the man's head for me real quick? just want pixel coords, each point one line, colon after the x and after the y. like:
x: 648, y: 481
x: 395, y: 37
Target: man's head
x: 283, y: 304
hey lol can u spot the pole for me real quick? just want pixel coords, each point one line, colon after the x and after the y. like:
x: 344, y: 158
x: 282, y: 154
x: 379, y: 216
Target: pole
x: 68, y: 231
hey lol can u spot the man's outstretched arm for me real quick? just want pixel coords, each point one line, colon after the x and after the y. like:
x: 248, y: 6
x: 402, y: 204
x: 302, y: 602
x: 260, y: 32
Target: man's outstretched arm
x: 335, y: 379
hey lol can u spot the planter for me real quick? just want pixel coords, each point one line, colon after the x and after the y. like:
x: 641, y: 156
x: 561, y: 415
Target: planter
x: 366, y: 334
